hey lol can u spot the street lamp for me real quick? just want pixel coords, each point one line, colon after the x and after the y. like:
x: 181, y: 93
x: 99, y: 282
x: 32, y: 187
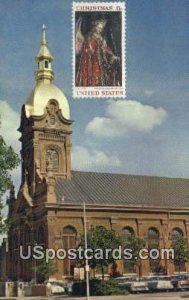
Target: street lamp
x: 86, y: 260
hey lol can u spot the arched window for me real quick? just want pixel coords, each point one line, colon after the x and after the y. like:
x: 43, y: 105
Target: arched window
x: 153, y: 237
x: 176, y: 232
x: 153, y: 243
x: 127, y: 232
x: 69, y: 230
x: 128, y: 265
x: 179, y: 265
x: 69, y: 234
x: 52, y: 159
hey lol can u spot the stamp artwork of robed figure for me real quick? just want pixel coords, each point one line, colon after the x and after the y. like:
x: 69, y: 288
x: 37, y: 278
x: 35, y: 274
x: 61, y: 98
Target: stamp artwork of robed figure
x: 99, y: 53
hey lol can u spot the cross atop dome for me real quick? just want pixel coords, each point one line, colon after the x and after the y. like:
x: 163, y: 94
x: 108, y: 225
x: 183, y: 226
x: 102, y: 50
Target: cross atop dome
x: 44, y: 58
x: 44, y: 42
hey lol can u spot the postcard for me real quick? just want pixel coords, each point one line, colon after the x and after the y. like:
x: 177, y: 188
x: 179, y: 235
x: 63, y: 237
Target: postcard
x: 94, y: 147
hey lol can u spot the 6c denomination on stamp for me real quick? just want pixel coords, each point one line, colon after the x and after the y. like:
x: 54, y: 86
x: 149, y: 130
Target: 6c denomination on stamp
x: 99, y: 50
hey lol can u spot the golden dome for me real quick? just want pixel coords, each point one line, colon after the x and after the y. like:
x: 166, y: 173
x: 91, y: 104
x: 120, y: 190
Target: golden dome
x: 41, y: 94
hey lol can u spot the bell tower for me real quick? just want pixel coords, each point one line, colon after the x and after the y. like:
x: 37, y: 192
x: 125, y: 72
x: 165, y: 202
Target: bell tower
x: 45, y: 126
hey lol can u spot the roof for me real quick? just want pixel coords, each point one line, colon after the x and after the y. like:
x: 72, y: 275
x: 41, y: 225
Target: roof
x: 44, y: 52
x: 120, y: 189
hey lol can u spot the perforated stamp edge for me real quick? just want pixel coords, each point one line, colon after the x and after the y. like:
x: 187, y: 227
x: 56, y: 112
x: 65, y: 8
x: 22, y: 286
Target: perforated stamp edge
x: 101, y: 91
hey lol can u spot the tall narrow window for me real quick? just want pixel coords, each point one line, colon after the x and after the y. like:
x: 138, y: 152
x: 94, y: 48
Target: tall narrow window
x: 69, y: 242
x: 46, y: 64
x: 153, y: 243
x: 128, y: 265
x: 179, y: 265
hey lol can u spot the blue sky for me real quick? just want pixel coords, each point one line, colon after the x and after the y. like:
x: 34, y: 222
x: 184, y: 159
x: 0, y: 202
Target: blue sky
x: 153, y: 121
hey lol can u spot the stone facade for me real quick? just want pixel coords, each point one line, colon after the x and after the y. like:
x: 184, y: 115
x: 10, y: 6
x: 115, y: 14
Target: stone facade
x: 37, y: 217
x: 46, y: 226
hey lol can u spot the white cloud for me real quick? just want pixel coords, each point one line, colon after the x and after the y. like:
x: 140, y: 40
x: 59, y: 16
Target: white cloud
x: 126, y: 116
x: 94, y: 160
x: 10, y: 121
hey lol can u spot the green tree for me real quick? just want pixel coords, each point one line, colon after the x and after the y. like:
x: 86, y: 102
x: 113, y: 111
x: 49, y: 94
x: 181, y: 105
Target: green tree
x: 45, y: 269
x: 181, y: 254
x: 9, y: 160
x: 135, y: 244
x: 99, y: 237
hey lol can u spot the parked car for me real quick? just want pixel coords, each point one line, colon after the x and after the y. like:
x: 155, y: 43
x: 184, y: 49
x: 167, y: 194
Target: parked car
x: 164, y: 285
x: 158, y: 283
x: 125, y: 281
x: 56, y: 287
x: 139, y: 286
x: 180, y: 282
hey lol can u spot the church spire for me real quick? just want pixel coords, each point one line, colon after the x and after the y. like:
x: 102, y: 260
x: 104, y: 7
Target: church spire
x: 44, y: 58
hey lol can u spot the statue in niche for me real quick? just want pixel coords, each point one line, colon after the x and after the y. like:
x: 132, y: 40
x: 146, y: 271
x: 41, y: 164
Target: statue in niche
x: 52, y: 160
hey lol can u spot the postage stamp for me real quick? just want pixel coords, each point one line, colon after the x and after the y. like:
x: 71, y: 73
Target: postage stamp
x: 99, y: 67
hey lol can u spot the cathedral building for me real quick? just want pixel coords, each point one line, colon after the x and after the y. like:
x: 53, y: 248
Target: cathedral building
x: 48, y: 209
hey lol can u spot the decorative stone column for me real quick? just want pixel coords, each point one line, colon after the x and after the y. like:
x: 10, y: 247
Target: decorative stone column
x: 51, y: 182
x: 52, y: 242
x: 114, y: 223
x: 169, y: 265
x: 145, y: 269
x: 58, y: 243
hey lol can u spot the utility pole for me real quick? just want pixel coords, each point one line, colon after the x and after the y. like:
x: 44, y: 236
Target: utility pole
x: 35, y: 266
x: 86, y: 260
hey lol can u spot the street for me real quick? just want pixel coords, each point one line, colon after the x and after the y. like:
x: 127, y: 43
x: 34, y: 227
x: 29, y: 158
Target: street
x: 154, y: 296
